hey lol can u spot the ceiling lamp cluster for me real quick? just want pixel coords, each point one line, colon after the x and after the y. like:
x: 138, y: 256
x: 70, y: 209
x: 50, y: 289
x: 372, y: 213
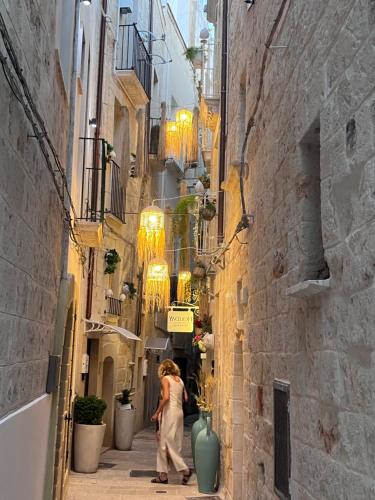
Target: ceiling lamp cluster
x: 157, y: 286
x: 151, y: 234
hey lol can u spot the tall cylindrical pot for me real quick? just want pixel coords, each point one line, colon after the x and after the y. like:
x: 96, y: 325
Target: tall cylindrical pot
x: 207, y: 456
x: 88, y: 441
x: 124, y: 427
x: 199, y: 425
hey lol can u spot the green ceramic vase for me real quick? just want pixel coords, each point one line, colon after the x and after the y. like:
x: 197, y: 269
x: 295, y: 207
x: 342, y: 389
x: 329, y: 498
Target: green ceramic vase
x: 207, y: 457
x: 199, y: 425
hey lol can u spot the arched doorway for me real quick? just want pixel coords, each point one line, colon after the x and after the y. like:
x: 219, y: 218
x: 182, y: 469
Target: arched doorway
x: 107, y: 395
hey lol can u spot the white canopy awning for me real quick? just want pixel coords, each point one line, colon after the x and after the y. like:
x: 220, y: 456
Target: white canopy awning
x: 103, y: 329
x: 157, y: 344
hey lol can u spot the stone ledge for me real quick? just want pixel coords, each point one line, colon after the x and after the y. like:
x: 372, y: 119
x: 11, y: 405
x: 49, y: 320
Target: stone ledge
x: 309, y: 288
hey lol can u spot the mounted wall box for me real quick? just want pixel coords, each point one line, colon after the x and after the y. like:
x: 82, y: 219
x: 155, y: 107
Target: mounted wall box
x: 85, y: 363
x: 126, y: 6
x: 145, y: 367
x: 53, y: 373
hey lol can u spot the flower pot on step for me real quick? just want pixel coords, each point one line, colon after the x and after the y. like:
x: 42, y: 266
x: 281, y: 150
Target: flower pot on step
x: 88, y: 441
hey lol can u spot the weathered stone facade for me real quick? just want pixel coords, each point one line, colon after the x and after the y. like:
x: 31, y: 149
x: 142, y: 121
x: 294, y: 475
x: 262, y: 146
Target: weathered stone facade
x: 310, y: 163
x: 31, y: 216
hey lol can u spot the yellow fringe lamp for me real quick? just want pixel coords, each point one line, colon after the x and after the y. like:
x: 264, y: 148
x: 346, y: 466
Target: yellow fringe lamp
x: 184, y: 286
x: 157, y: 288
x: 172, y: 140
x: 184, y: 122
x: 151, y: 234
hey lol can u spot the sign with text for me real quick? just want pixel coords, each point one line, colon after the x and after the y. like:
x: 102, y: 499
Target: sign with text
x: 180, y: 321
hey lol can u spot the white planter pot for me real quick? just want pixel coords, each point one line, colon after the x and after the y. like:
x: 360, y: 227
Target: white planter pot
x: 88, y: 441
x: 209, y: 341
x: 124, y: 427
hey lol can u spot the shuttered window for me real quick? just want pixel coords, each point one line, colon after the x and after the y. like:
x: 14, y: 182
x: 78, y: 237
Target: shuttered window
x: 282, y: 459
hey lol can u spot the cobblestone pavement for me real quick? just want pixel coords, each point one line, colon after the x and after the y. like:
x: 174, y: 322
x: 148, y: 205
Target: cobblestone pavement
x: 113, y: 481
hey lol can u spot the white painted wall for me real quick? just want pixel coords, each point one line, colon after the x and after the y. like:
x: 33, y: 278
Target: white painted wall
x: 23, y: 445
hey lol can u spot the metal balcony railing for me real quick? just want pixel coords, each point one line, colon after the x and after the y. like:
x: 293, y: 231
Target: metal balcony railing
x: 93, y: 175
x: 96, y: 174
x: 117, y: 207
x: 133, y: 55
x: 210, y: 83
x: 114, y: 307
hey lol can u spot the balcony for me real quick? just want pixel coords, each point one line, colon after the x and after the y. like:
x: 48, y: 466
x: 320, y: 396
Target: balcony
x: 113, y: 311
x: 96, y: 173
x: 156, y: 148
x: 133, y: 64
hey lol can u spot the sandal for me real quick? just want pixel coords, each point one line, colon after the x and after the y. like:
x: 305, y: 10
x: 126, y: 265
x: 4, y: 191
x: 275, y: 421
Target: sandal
x: 186, y: 477
x: 159, y: 480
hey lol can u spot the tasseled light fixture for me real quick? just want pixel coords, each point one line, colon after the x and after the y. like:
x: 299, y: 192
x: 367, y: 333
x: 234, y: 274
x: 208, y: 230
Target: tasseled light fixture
x: 157, y: 286
x: 184, y: 122
x: 151, y: 234
x: 172, y: 141
x: 184, y: 286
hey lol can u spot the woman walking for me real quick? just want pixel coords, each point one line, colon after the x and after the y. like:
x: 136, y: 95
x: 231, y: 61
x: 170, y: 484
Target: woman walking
x: 171, y: 418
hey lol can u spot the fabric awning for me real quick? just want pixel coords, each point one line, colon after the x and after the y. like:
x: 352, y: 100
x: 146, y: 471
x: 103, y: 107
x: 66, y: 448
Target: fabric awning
x: 157, y: 344
x: 102, y: 328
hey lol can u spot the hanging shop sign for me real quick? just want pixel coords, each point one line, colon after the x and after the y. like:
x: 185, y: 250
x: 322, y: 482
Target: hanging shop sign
x: 180, y: 321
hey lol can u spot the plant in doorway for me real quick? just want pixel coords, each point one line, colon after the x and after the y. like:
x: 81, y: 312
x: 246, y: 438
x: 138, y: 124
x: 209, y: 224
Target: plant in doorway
x: 89, y: 432
x: 124, y: 420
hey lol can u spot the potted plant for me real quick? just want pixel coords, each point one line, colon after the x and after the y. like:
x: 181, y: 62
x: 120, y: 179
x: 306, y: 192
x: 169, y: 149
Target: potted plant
x: 199, y: 270
x: 129, y: 290
x: 88, y: 432
x: 205, y: 180
x: 195, y: 56
x: 111, y: 258
x: 124, y: 421
x: 207, y: 211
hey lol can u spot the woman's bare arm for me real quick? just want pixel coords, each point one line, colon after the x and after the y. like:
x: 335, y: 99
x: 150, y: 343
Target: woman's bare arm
x: 186, y: 397
x: 164, y: 401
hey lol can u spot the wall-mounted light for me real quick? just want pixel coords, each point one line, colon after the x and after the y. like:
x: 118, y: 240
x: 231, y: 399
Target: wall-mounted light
x: 122, y: 297
x: 108, y: 293
x: 86, y: 2
x: 93, y: 122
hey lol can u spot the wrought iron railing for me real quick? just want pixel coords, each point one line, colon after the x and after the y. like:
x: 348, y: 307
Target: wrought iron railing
x: 114, y: 306
x: 133, y: 55
x: 93, y: 154
x: 117, y: 207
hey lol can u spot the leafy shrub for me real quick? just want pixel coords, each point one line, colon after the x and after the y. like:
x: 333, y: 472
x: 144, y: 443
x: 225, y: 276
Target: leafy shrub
x: 89, y: 410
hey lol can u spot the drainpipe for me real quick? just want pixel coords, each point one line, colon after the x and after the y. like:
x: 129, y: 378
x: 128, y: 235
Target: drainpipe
x: 223, y: 119
x: 96, y: 153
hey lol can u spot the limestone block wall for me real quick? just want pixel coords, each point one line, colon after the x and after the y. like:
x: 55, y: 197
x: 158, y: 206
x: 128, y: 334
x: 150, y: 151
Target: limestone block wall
x: 31, y: 219
x: 318, y: 96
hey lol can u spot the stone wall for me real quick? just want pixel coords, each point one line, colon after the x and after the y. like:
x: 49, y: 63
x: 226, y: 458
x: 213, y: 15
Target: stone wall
x: 31, y: 219
x: 318, y: 92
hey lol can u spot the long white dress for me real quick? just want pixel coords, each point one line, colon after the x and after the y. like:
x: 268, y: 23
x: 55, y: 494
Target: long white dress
x: 172, y: 429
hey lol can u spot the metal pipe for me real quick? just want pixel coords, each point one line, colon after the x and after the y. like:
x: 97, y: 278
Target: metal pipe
x: 223, y: 119
x: 99, y: 96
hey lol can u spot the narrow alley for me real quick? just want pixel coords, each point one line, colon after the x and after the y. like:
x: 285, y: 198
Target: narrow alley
x: 124, y: 475
x: 187, y: 249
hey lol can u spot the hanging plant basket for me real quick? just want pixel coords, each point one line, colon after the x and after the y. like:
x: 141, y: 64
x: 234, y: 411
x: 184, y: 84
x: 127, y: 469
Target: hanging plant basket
x: 111, y: 258
x: 208, y: 211
x: 205, y: 180
x: 199, y: 270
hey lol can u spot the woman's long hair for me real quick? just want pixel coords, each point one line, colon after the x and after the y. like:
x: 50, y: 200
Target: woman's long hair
x: 168, y: 367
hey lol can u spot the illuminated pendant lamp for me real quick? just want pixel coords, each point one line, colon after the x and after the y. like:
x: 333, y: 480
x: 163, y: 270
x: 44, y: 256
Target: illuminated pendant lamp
x: 184, y: 121
x: 184, y: 286
x: 172, y: 140
x: 157, y: 288
x: 151, y: 234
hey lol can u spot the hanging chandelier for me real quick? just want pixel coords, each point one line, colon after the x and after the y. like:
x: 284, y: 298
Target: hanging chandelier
x: 151, y: 234
x: 172, y: 141
x: 184, y: 286
x: 157, y: 286
x: 184, y: 122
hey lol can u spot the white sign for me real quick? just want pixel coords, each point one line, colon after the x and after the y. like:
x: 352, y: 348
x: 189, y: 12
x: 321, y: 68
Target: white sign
x: 180, y: 321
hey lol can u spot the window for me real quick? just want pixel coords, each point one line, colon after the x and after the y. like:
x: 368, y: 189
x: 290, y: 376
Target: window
x: 314, y: 266
x: 282, y: 458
